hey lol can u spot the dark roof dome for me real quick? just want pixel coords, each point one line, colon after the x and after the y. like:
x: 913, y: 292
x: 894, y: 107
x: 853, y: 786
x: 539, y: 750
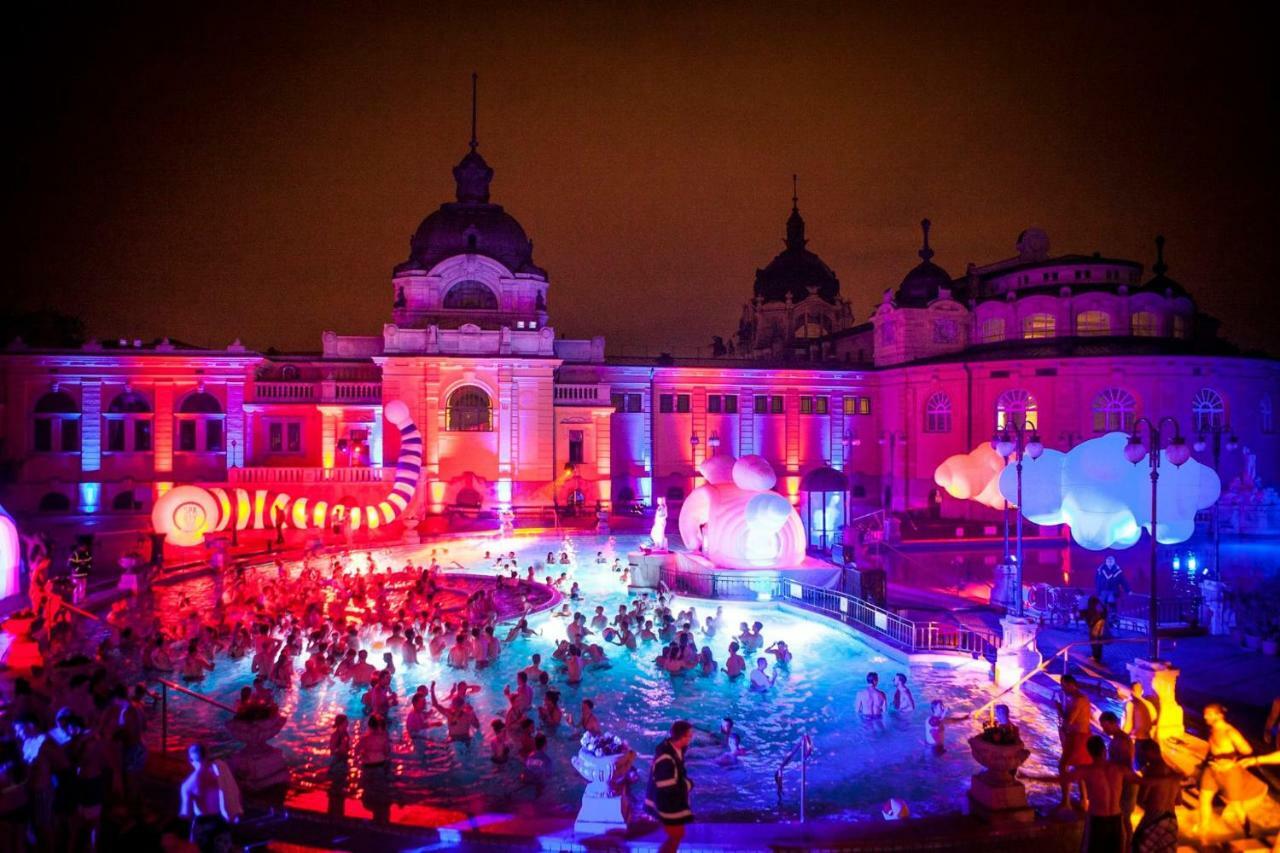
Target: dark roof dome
x: 796, y: 270
x: 1161, y: 282
x: 923, y: 284
x: 471, y: 225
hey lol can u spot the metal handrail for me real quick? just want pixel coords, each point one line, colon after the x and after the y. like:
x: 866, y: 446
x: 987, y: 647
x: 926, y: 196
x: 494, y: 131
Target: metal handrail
x: 804, y: 748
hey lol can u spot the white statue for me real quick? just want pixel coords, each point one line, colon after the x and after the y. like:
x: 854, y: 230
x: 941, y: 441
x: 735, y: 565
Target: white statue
x: 659, y: 531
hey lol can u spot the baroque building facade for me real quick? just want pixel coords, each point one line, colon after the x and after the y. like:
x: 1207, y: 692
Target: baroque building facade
x: 514, y: 416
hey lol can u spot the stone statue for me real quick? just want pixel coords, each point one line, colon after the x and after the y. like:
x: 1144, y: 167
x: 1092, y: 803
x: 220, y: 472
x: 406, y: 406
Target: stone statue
x: 659, y: 531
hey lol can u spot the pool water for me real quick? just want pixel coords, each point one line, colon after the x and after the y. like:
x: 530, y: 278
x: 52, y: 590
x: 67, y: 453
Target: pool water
x: 856, y: 766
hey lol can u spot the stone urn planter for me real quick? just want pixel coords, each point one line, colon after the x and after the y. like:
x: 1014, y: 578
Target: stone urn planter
x: 258, y: 765
x: 995, y: 794
x: 604, y: 803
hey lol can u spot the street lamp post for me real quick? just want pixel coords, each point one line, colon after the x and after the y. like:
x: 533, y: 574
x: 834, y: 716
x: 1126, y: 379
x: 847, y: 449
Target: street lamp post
x: 848, y: 442
x: 1178, y: 452
x: 892, y: 438
x: 1014, y: 440
x: 1216, y: 431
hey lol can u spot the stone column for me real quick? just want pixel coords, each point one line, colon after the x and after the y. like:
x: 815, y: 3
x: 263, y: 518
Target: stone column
x: 1214, y: 614
x: 1018, y: 654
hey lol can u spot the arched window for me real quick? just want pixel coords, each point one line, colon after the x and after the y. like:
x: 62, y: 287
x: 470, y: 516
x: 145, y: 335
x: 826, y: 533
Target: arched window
x: 937, y: 413
x: 1266, y: 417
x: 124, y: 502
x: 128, y: 424
x: 992, y: 330
x: 56, y: 426
x: 1145, y: 324
x: 471, y: 296
x: 469, y: 410
x: 55, y: 502
x: 1208, y: 411
x: 1114, y: 409
x: 1016, y: 407
x: 200, y: 424
x: 1179, y: 325
x: 810, y: 326
x: 1038, y: 326
x: 1093, y: 323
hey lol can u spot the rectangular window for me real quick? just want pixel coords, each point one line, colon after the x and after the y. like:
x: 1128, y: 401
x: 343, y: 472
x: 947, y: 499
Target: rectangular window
x: 682, y: 403
x: 820, y: 405
x: 806, y: 405
x: 115, y: 436
x: 666, y: 403
x: 851, y: 405
x: 187, y: 435
x: 731, y: 404
x: 713, y: 404
x: 619, y: 402
x: 635, y: 403
x: 762, y: 405
x: 213, y: 436
x: 275, y: 437
x: 992, y: 330
x: 43, y: 435
x: 864, y: 405
x: 576, y: 444
x: 70, y: 436
x: 776, y: 406
x: 293, y: 437
x: 142, y: 436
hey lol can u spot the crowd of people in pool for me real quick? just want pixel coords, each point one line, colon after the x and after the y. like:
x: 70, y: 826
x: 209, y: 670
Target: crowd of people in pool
x: 348, y: 620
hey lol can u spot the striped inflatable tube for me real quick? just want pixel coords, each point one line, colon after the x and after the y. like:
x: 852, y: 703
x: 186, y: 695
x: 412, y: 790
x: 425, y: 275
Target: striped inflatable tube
x: 185, y: 514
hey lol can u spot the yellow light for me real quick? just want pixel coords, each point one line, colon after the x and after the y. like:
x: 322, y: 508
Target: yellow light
x: 300, y: 513
x: 243, y: 509
x: 320, y: 513
x: 259, y: 506
x: 224, y: 508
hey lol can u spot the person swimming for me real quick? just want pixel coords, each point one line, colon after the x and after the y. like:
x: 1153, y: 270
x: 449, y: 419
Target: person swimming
x: 735, y: 665
x: 871, y: 701
x: 761, y: 681
x: 902, y: 699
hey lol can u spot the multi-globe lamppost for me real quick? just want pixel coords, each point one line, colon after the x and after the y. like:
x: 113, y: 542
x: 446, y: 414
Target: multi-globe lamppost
x: 1178, y: 452
x: 1015, y: 440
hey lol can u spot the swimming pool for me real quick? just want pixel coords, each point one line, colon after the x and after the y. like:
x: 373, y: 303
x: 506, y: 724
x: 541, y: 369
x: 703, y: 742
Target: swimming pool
x: 857, y: 766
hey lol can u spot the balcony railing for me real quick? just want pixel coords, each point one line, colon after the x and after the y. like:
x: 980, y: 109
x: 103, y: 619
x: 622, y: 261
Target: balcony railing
x: 267, y: 475
x: 317, y: 392
x: 582, y: 395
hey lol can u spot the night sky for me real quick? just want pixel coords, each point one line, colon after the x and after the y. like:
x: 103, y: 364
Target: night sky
x: 218, y: 172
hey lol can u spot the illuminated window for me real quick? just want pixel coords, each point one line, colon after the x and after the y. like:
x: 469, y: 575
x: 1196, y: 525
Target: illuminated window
x: 468, y: 410
x: 1208, y: 411
x: 1114, y: 409
x: 56, y: 428
x: 1038, y: 326
x: 813, y: 405
x: 471, y: 296
x: 1016, y: 407
x: 1093, y: 323
x: 1179, y: 326
x: 128, y: 422
x: 937, y: 413
x: 200, y: 424
x: 1145, y: 324
x: 1265, y: 416
x: 857, y: 405
x: 992, y: 330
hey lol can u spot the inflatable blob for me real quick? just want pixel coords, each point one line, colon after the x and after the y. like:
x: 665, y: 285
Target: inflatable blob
x: 10, y: 555
x: 1105, y: 499
x: 740, y: 524
x: 973, y: 476
x: 717, y: 470
x: 186, y: 514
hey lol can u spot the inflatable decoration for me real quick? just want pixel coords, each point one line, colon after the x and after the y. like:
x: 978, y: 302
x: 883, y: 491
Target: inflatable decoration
x: 10, y: 555
x: 737, y: 522
x: 184, y: 514
x: 973, y: 476
x: 1106, y: 499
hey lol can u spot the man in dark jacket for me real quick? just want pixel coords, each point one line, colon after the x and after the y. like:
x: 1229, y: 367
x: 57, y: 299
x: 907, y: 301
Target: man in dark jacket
x: 667, y: 794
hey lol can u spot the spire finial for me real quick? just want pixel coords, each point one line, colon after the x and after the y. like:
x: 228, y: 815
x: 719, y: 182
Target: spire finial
x: 795, y: 192
x: 1160, y: 267
x: 474, y: 78
x: 925, y: 252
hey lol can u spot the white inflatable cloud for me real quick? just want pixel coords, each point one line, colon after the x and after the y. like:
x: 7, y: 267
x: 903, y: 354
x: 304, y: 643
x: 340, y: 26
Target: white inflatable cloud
x: 1105, y: 499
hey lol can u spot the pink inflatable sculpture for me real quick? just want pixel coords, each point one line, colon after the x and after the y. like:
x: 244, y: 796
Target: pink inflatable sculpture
x: 737, y: 522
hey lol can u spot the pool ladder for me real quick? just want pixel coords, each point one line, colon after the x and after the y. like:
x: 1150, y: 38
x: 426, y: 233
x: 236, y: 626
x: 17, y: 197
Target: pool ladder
x: 803, y: 750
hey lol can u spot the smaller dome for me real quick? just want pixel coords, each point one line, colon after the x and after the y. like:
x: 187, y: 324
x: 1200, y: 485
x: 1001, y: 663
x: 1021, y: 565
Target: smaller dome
x: 923, y: 284
x: 1160, y: 282
x: 795, y: 270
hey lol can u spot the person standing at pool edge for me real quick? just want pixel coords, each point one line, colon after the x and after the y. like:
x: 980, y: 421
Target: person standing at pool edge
x: 667, y: 794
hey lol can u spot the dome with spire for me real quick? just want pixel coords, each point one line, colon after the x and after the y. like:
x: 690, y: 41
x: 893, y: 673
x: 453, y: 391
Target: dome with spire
x: 471, y: 225
x: 796, y: 270
x: 1160, y: 282
x: 923, y: 284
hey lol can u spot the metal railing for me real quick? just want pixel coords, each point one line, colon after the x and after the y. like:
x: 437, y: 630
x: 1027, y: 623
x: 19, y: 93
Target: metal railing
x: 879, y: 622
x: 1132, y: 612
x: 804, y: 750
x: 306, y: 475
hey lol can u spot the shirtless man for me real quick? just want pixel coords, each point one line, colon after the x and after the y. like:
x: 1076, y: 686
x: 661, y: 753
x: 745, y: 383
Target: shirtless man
x: 736, y: 664
x: 1103, y: 782
x: 1074, y: 714
x: 201, y: 794
x: 870, y: 702
x: 1223, y: 774
x: 1139, y: 715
